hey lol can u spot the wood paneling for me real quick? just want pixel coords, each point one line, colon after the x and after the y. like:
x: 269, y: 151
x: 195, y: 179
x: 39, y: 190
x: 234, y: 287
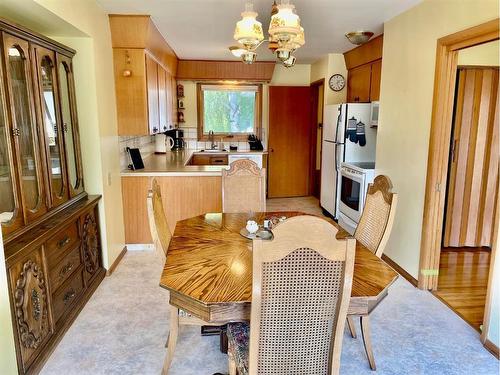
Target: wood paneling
x: 139, y: 32
x: 183, y: 197
x: 439, y: 143
x: 289, y: 141
x: 463, y: 278
x: 473, y: 180
x: 225, y: 70
x: 365, y: 53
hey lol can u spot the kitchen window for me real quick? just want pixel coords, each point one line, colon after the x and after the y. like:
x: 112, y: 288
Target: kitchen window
x: 229, y: 110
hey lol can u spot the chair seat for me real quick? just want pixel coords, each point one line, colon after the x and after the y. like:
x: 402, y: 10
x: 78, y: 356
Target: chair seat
x: 238, y: 336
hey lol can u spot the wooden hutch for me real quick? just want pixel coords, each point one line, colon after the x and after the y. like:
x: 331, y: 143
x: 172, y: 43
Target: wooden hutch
x: 49, y: 223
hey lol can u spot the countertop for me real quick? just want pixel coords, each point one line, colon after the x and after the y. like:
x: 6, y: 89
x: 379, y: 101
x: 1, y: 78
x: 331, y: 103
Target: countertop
x: 174, y: 164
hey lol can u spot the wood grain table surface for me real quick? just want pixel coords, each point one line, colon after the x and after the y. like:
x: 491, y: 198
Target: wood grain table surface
x: 208, y: 269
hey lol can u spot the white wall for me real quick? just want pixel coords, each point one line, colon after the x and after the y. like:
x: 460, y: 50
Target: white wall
x: 484, y: 54
x: 405, y: 109
x: 8, y: 364
x: 324, y: 68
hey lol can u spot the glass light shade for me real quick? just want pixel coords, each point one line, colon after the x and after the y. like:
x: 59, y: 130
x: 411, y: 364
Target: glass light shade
x: 289, y: 62
x: 285, y: 24
x: 237, y: 51
x: 248, y: 57
x: 283, y: 54
x: 298, y: 41
x: 248, y: 30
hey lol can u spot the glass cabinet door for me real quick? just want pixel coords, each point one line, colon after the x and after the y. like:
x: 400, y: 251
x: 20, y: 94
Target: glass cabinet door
x: 10, y: 212
x: 70, y: 124
x: 24, y: 126
x: 49, y: 111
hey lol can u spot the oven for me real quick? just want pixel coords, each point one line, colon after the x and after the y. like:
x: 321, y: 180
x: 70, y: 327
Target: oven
x: 353, y: 185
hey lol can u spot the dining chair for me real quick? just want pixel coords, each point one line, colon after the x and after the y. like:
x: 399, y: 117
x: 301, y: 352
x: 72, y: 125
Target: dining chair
x: 373, y: 232
x: 301, y: 287
x: 158, y: 224
x: 243, y: 187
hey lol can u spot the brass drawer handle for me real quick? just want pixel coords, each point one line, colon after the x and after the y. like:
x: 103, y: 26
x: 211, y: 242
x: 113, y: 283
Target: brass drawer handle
x: 65, y: 269
x: 69, y: 296
x: 64, y: 242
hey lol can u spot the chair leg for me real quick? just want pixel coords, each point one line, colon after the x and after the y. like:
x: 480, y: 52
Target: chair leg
x: 365, y: 331
x: 352, y: 328
x: 172, y: 338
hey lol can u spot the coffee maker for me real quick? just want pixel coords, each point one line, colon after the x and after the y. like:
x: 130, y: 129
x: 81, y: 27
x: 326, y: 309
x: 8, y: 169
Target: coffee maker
x: 177, y: 135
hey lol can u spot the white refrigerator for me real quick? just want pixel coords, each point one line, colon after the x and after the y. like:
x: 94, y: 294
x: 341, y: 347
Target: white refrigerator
x: 347, y: 136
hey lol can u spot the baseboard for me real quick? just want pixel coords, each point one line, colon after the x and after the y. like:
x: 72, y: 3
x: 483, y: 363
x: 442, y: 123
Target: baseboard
x: 140, y: 247
x: 400, y: 270
x: 117, y: 260
x: 492, y: 348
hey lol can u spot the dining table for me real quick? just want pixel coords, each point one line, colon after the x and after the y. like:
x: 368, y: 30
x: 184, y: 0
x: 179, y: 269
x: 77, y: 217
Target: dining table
x: 208, y: 272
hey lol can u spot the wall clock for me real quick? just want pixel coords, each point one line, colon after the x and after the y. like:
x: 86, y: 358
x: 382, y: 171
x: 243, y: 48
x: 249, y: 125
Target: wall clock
x: 337, y: 82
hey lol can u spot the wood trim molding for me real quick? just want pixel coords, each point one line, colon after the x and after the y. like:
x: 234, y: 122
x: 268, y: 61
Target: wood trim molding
x: 206, y: 70
x: 118, y: 259
x: 492, y: 348
x: 400, y: 270
x: 439, y: 143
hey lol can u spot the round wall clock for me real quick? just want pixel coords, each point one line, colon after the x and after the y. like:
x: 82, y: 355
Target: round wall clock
x: 337, y: 82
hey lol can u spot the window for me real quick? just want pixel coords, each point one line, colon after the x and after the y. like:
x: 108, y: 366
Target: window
x: 229, y: 110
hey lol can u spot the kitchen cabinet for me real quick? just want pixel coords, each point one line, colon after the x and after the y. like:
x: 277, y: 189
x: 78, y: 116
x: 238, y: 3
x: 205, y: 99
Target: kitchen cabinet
x: 375, y: 76
x: 144, y: 69
x: 198, y: 159
x: 50, y: 229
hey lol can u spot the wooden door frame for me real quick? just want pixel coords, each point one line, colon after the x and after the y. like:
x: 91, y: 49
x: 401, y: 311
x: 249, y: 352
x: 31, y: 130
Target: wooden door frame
x: 439, y: 144
x: 314, y: 121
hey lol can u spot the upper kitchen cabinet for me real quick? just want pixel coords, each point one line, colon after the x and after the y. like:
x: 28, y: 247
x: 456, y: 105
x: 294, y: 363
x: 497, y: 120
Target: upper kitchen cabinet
x: 364, y: 64
x: 145, y: 69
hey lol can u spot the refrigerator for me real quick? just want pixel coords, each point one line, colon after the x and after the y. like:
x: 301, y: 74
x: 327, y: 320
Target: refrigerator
x: 344, y: 139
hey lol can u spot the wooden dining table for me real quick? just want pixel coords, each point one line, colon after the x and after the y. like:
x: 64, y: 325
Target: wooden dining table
x: 208, y: 271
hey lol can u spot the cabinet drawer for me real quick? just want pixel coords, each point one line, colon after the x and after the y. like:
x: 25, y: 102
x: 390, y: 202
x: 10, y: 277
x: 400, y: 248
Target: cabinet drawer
x: 60, y: 273
x: 67, y: 294
x: 64, y: 240
x: 218, y: 160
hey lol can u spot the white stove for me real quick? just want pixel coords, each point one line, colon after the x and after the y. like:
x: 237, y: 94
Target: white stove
x: 354, y: 180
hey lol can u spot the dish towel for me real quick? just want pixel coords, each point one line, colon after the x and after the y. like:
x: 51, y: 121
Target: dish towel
x: 360, y: 133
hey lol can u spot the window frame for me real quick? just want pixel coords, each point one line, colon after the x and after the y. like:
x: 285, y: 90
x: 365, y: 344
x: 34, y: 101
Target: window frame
x: 237, y: 137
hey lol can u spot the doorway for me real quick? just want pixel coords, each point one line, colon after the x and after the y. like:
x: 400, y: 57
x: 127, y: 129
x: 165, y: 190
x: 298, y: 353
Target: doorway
x: 472, y: 191
x: 289, y: 141
x: 317, y: 104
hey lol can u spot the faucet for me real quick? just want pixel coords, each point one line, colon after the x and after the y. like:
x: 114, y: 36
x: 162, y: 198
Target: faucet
x: 213, y: 146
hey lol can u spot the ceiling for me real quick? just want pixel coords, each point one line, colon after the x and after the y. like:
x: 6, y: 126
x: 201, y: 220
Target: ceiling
x: 203, y: 29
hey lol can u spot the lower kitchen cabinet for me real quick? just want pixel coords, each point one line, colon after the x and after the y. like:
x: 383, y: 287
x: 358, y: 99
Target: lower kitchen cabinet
x: 53, y: 270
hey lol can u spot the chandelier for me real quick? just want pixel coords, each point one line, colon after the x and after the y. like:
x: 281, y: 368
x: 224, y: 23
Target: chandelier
x: 285, y: 34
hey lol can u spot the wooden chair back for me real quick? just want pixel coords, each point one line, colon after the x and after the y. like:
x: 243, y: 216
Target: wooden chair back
x: 302, y: 282
x: 158, y: 223
x: 376, y: 221
x: 244, y: 187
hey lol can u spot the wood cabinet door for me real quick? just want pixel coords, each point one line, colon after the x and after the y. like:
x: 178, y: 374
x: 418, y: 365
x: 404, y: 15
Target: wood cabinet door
x: 11, y: 210
x: 162, y: 99
x: 376, y: 74
x: 49, y: 117
x: 91, y: 245
x: 169, y: 94
x: 289, y: 141
x: 358, y: 84
x: 69, y: 120
x: 173, y: 98
x: 30, y: 305
x: 152, y: 86
x: 24, y: 127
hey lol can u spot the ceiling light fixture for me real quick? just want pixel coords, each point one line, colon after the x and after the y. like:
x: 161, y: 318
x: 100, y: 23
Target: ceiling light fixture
x: 359, y: 37
x: 285, y: 34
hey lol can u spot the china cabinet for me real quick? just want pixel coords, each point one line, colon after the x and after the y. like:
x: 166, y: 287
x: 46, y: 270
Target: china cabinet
x: 49, y: 223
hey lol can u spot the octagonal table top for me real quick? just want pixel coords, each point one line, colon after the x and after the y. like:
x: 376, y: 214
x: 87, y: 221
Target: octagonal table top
x: 209, y: 262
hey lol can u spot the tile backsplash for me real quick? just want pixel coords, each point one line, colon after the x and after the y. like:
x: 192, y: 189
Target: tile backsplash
x: 146, y: 144
x: 192, y: 143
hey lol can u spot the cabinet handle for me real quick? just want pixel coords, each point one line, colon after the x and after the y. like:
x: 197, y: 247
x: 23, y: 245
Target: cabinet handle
x: 165, y: 127
x: 67, y: 268
x: 64, y: 242
x: 65, y: 127
x: 16, y: 132
x: 69, y: 296
x: 155, y: 129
